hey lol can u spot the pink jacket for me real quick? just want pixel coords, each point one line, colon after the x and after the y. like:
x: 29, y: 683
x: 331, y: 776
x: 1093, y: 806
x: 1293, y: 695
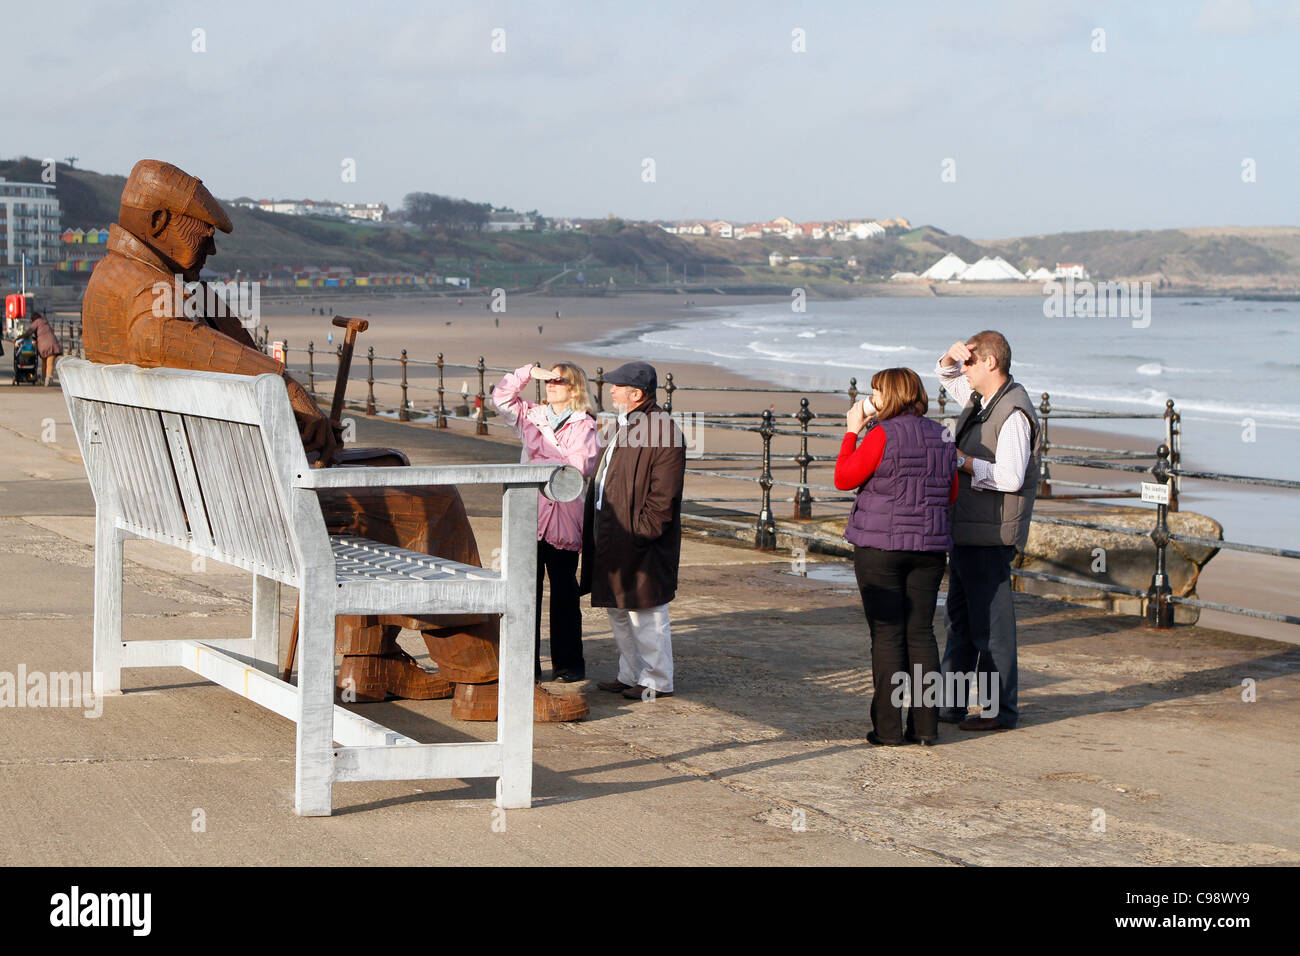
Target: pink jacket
x: 558, y: 523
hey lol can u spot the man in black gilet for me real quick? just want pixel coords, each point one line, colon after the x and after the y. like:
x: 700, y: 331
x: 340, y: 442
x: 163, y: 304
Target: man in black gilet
x: 998, y: 458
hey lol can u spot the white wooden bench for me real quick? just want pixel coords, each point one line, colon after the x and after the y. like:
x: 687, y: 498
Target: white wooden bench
x: 212, y: 464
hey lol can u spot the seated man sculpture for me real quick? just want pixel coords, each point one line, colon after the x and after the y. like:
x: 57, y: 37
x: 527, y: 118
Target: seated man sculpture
x: 165, y: 230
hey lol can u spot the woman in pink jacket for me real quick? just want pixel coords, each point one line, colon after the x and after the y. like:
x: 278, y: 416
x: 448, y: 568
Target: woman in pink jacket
x: 563, y: 431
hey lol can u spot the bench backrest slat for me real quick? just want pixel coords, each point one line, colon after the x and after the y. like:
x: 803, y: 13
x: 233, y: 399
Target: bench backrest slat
x: 187, y: 480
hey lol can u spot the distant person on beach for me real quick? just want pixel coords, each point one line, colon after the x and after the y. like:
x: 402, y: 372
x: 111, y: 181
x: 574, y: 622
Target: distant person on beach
x: 999, y: 448
x: 905, y: 471
x: 561, y: 430
x: 632, y: 533
x: 47, y: 344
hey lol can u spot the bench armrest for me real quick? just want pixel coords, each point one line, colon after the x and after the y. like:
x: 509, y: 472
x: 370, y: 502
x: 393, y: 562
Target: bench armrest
x: 557, y: 482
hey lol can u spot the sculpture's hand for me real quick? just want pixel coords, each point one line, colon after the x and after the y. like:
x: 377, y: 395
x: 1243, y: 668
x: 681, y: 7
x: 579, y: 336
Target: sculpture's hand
x: 324, y: 437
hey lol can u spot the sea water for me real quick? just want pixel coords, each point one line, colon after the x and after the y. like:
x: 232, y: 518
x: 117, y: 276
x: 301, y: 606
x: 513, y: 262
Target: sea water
x: 1231, y: 367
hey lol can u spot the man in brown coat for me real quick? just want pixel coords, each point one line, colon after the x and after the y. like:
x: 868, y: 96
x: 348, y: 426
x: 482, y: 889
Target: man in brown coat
x: 632, y: 533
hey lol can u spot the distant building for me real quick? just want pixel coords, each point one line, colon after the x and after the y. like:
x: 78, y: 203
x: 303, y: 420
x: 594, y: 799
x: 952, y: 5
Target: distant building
x: 775, y: 259
x: 29, y: 229
x: 866, y: 230
x: 720, y: 229
x: 1071, y: 270
x: 1041, y: 274
x: 370, y: 211
x: 508, y: 222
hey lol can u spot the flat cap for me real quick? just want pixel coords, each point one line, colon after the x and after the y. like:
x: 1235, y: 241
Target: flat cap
x: 640, y: 375
x: 154, y: 184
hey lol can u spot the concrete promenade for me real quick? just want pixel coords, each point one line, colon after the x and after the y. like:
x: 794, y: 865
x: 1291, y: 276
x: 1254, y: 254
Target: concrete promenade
x: 1135, y: 747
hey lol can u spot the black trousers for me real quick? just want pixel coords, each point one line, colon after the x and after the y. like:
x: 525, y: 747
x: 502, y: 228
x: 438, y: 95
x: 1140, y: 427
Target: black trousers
x: 566, y: 617
x: 899, y: 593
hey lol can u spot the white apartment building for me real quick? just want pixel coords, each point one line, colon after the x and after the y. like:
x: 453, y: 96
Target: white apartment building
x: 29, y: 226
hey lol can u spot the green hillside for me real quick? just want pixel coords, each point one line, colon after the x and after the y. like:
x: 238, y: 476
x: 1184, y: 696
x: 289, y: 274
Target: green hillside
x: 1209, y: 258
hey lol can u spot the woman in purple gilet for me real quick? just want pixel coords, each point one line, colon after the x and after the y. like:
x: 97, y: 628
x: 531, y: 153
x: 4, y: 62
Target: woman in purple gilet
x: 905, y: 471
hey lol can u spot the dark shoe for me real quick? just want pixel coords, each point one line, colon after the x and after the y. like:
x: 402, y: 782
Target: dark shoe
x: 912, y: 738
x: 645, y: 693
x: 982, y: 723
x: 873, y: 737
x: 613, y: 686
x: 569, y: 676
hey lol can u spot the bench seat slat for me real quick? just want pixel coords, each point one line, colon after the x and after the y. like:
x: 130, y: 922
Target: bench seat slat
x: 358, y: 559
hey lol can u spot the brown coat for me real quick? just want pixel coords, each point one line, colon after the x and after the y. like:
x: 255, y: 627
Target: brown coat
x: 630, y: 550
x: 47, y: 343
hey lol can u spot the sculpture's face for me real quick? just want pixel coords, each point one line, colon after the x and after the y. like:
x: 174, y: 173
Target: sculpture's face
x: 187, y: 241
x: 178, y: 237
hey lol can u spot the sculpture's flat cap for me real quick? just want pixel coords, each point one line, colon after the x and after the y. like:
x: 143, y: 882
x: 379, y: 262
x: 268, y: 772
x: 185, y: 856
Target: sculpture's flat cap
x: 157, y: 185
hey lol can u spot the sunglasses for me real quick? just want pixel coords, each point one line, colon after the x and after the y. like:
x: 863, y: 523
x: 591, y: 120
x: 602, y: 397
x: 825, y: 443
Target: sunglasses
x: 557, y: 381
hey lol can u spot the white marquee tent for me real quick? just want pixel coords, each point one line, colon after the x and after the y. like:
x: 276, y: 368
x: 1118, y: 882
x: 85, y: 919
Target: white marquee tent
x: 949, y: 267
x: 996, y: 269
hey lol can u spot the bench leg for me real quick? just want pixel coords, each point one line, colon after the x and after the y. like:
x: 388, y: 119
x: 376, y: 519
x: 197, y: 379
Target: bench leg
x: 515, y: 690
x: 108, y: 652
x: 313, y: 786
x: 266, y: 622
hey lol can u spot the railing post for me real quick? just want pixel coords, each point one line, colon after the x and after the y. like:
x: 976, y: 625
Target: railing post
x: 765, y: 536
x: 481, y: 428
x: 403, y: 414
x: 311, y: 367
x: 370, y: 380
x: 943, y: 400
x: 853, y: 390
x: 600, y: 389
x: 440, y: 418
x: 669, y: 388
x: 1045, y: 480
x: 1160, y: 613
x: 803, y: 497
x: 1173, y: 439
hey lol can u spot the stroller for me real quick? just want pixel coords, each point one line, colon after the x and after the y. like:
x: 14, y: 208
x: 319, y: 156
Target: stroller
x: 27, y: 362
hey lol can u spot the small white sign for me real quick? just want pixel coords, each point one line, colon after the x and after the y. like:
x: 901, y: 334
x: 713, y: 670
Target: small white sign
x: 1157, y: 494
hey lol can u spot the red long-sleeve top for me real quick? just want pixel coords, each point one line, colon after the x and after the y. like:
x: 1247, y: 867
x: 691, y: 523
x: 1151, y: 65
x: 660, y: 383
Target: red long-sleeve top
x: 856, y: 463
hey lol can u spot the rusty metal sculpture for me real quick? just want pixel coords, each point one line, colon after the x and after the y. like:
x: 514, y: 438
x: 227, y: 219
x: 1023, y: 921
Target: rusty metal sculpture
x: 162, y: 239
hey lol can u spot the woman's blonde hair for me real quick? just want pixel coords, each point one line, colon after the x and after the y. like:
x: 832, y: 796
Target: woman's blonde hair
x: 580, y: 392
x: 900, y: 391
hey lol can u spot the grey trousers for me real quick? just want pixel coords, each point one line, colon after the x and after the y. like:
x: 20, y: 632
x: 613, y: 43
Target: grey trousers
x: 982, y: 631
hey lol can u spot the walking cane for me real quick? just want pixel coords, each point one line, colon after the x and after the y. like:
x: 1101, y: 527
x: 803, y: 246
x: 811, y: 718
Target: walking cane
x: 353, y: 326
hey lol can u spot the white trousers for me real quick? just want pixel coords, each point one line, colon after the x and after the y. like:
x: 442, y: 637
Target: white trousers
x: 645, y: 647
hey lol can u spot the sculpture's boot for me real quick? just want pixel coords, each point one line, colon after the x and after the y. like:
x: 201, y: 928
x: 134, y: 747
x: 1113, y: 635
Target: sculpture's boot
x: 466, y: 653
x: 479, y: 702
x: 375, y: 668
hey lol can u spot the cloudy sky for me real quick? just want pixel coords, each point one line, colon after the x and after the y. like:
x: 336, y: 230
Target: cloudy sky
x: 1044, y: 133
